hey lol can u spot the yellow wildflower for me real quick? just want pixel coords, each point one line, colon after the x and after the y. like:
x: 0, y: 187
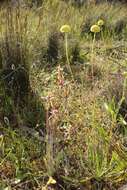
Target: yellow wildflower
x: 95, y: 28
x: 100, y: 22
x: 65, y: 29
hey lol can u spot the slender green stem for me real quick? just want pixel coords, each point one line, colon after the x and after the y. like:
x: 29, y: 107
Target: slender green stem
x: 93, y: 45
x: 92, y: 56
x: 67, y: 56
x: 102, y: 35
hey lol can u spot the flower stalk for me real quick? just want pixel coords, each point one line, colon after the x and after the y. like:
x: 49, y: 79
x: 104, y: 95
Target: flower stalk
x: 67, y: 54
x: 67, y: 29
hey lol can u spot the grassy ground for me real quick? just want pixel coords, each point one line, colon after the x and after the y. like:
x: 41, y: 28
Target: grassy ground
x: 63, y: 129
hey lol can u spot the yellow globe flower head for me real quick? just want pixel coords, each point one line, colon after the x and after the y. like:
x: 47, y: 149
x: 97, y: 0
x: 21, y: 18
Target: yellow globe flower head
x: 95, y: 28
x: 65, y: 29
x: 100, y: 22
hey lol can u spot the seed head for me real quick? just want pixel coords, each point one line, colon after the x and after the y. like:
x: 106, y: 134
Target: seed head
x: 95, y: 28
x: 100, y: 22
x: 65, y: 29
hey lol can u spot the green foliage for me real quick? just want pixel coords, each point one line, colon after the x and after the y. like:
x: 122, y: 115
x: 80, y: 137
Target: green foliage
x: 65, y: 133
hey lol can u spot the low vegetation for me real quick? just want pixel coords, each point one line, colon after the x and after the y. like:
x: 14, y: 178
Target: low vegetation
x: 63, y: 91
